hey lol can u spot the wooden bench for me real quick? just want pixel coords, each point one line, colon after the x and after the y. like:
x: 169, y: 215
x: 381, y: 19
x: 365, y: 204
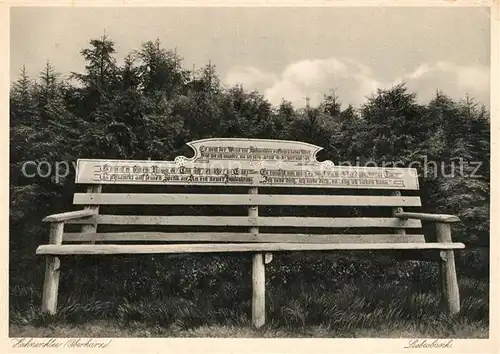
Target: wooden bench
x: 288, y: 169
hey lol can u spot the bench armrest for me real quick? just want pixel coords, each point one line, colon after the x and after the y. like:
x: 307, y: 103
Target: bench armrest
x: 70, y: 215
x: 430, y: 217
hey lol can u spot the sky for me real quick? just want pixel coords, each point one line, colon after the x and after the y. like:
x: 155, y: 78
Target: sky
x: 285, y: 53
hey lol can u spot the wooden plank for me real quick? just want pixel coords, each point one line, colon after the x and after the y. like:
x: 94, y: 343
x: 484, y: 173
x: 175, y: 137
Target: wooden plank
x: 241, y: 199
x: 290, y: 221
x: 231, y: 247
x: 253, y: 211
x: 397, y: 210
x: 244, y: 172
x: 450, y: 291
x: 240, y: 237
x: 52, y: 266
x: 92, y: 228
x: 70, y: 215
x: 444, y: 218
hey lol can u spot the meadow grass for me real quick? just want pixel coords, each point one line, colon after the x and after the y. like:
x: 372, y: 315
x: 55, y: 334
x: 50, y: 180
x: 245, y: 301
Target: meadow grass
x: 395, y: 300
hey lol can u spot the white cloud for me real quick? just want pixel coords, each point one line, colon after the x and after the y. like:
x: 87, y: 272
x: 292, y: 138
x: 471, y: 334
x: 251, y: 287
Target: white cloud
x: 250, y: 77
x: 453, y: 80
x: 422, y: 70
x: 354, y: 81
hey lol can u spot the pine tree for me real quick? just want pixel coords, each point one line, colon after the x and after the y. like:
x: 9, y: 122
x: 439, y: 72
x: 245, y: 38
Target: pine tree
x: 331, y: 105
x: 22, y: 105
x: 464, y: 181
x: 200, y: 108
x: 395, y: 125
x: 161, y: 70
x: 246, y: 114
x: 348, y: 142
x: 23, y: 114
x: 284, y: 116
x: 100, y: 77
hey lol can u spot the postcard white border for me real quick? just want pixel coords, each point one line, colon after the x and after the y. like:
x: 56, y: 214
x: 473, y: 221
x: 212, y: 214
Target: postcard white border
x: 171, y: 345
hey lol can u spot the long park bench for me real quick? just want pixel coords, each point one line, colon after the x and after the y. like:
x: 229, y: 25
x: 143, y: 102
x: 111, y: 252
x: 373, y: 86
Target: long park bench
x: 270, y: 174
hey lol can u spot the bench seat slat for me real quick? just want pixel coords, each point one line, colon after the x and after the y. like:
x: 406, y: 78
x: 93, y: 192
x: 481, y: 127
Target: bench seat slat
x: 232, y: 247
x: 241, y: 237
x: 286, y: 221
x: 241, y: 199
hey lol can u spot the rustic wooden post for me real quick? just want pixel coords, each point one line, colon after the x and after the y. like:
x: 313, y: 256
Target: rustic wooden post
x: 51, y: 282
x: 397, y: 210
x: 449, y: 281
x: 92, y: 228
x: 258, y: 274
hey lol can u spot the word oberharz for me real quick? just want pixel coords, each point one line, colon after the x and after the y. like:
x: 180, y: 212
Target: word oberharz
x: 60, y: 343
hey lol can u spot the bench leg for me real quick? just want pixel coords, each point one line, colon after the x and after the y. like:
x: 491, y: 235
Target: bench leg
x: 51, y: 282
x: 51, y: 285
x: 258, y: 291
x: 449, y: 281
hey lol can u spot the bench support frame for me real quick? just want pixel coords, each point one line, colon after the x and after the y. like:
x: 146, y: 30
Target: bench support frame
x: 258, y: 274
x: 52, y: 271
x: 92, y: 227
x: 449, y: 282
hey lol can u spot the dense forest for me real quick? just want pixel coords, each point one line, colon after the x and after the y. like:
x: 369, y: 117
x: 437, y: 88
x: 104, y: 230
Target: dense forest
x: 150, y: 106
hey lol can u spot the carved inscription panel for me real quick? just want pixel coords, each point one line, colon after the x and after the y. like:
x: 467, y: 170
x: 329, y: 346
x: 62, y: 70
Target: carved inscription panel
x: 245, y: 162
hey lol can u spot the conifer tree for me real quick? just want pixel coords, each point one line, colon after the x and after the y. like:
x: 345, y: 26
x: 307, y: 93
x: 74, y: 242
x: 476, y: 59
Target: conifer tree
x: 395, y: 128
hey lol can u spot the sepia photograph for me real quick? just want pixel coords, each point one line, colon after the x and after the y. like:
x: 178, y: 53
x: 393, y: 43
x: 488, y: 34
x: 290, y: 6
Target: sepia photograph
x: 249, y: 172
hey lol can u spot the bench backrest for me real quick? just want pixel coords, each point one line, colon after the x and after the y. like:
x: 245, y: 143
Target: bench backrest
x: 244, y: 190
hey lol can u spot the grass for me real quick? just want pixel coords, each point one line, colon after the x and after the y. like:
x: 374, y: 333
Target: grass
x: 207, y: 297
x: 111, y: 329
